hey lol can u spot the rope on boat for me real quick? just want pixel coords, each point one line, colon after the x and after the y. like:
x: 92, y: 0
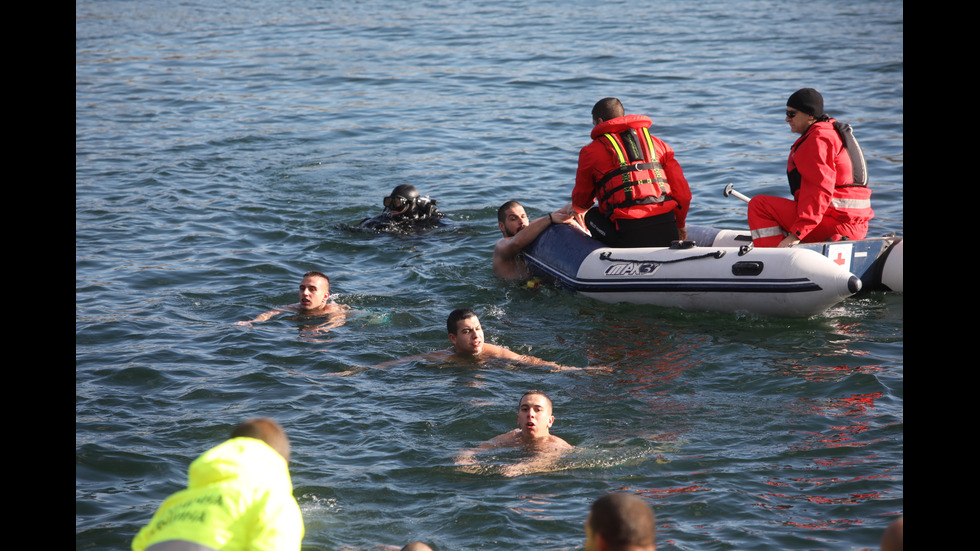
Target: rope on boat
x: 608, y: 256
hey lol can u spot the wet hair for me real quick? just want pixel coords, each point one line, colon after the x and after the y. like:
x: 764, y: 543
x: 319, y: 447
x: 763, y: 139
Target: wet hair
x: 502, y: 211
x: 608, y: 108
x: 623, y: 520
x: 457, y: 315
x: 266, y: 430
x: 314, y: 273
x: 551, y: 405
x: 416, y: 546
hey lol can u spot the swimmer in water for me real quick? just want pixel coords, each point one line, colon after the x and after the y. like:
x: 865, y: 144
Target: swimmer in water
x: 466, y: 336
x: 314, y: 300
x: 532, y: 435
x: 518, y: 234
x: 405, y: 210
x: 620, y: 521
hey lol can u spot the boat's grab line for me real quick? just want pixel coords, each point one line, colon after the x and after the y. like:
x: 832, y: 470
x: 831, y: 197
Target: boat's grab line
x: 608, y: 256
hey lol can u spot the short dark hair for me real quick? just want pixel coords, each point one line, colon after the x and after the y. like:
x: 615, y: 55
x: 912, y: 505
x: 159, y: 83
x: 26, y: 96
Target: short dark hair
x: 623, y: 520
x: 314, y: 273
x: 502, y: 211
x: 266, y: 430
x: 608, y: 108
x: 456, y: 316
x: 536, y: 393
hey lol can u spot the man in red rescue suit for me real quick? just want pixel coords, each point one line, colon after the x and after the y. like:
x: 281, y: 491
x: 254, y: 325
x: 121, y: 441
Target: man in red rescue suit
x: 642, y: 195
x: 828, y: 180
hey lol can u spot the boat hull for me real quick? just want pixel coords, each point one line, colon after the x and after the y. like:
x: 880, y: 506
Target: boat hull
x: 878, y: 261
x: 723, y: 277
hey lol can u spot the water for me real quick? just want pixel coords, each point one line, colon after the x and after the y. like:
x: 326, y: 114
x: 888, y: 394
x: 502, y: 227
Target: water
x: 222, y: 148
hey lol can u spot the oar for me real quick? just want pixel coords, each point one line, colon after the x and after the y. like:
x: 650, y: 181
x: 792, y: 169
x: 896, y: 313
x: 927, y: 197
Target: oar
x: 730, y: 190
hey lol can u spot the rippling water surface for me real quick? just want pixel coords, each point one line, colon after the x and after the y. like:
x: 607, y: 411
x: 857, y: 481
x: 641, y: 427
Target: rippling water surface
x: 223, y: 149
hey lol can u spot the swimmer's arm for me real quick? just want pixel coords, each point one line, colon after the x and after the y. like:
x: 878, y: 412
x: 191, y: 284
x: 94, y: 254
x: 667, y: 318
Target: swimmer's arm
x: 539, y: 463
x: 267, y: 315
x: 468, y: 456
x: 495, y: 351
x: 510, y: 247
x: 501, y: 352
x: 438, y: 355
x: 338, y: 317
x: 531, y: 360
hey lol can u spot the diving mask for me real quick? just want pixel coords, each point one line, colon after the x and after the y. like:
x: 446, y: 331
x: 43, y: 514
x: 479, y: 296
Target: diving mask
x: 396, y: 202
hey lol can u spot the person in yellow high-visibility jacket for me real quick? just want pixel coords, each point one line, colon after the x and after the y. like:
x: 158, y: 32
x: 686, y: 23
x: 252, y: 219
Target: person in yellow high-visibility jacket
x: 239, y: 496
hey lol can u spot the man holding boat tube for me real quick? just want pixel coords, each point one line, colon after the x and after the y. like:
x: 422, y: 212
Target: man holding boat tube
x: 519, y: 233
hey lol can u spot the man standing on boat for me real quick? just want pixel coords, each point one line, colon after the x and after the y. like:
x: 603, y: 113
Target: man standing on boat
x: 642, y: 195
x: 827, y: 177
x: 533, y: 434
x: 519, y: 233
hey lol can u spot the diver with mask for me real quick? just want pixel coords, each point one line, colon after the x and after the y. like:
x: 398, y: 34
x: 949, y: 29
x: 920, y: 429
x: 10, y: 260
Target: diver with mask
x: 405, y: 210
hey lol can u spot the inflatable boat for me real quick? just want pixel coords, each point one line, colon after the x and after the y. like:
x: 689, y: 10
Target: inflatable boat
x: 718, y: 270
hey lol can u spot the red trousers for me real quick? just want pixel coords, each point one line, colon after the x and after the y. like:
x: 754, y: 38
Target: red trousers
x: 770, y: 217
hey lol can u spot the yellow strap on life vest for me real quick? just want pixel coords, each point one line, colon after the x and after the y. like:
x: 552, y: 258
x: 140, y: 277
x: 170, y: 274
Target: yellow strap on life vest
x: 619, y: 150
x: 660, y: 178
x: 622, y: 162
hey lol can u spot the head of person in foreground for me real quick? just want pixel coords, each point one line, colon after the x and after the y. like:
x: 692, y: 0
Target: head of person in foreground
x: 620, y: 522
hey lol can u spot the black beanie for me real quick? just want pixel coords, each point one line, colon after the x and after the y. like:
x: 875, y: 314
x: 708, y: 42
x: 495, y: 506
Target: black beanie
x: 807, y: 100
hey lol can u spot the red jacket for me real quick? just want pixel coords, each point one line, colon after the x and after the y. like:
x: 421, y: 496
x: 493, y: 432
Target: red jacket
x: 826, y: 181
x: 598, y: 159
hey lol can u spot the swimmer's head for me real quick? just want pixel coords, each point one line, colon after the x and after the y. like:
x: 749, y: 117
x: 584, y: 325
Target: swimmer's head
x: 402, y: 199
x: 456, y: 316
x: 266, y: 430
x: 512, y: 218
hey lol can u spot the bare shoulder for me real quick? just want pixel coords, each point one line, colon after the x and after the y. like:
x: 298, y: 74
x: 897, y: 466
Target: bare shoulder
x: 507, y: 249
x: 510, y: 438
x: 503, y: 244
x: 559, y: 443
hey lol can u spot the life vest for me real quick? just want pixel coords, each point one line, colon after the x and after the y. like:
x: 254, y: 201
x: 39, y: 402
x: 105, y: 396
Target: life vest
x: 639, y: 179
x: 859, y: 168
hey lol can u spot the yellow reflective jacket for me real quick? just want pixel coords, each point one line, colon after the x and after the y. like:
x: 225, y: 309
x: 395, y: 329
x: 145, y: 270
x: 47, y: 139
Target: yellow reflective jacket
x: 239, y: 496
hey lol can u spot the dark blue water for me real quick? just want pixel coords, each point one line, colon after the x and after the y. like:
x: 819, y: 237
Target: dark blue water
x: 223, y: 148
